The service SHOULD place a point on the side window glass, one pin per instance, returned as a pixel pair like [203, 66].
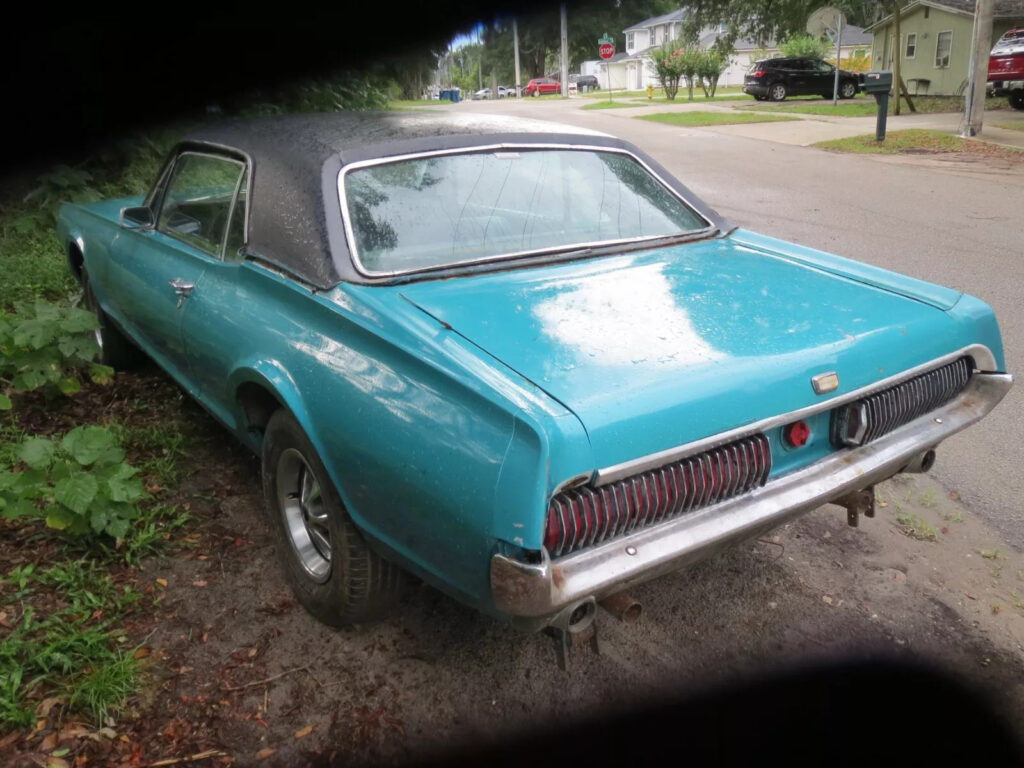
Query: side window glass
[197, 204]
[236, 229]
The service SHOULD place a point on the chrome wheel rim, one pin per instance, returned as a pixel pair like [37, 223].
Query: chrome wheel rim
[301, 504]
[848, 90]
[778, 93]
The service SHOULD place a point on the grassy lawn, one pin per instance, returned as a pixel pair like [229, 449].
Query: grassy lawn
[681, 98]
[406, 103]
[864, 106]
[1011, 126]
[610, 105]
[711, 118]
[918, 140]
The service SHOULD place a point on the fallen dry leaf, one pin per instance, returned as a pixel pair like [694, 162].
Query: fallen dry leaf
[252, 652]
[200, 583]
[303, 732]
[827, 599]
[44, 707]
[264, 753]
[49, 743]
[954, 495]
[4, 621]
[162, 583]
[883, 503]
[141, 653]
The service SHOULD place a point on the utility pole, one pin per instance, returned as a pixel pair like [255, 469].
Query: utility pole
[977, 75]
[480, 56]
[515, 44]
[565, 54]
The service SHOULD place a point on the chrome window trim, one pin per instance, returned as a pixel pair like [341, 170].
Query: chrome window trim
[984, 361]
[169, 176]
[350, 239]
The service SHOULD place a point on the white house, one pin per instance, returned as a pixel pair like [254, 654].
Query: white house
[633, 69]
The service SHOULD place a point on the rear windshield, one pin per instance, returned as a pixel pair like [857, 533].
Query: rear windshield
[440, 211]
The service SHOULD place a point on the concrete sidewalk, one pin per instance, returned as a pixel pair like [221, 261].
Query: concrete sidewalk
[814, 128]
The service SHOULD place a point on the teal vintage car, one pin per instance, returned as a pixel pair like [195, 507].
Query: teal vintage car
[517, 359]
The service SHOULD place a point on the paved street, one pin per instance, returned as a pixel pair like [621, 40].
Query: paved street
[959, 223]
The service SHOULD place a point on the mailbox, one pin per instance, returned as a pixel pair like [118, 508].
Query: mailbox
[876, 82]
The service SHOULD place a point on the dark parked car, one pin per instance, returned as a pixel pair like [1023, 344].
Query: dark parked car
[775, 79]
[585, 82]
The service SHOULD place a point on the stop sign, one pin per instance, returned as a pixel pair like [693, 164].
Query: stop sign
[607, 50]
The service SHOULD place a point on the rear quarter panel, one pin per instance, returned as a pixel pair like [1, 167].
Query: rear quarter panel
[439, 457]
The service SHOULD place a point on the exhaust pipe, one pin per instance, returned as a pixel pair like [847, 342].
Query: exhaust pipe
[922, 462]
[623, 606]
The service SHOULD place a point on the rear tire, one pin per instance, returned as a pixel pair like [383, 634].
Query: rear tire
[777, 92]
[116, 350]
[1016, 98]
[847, 89]
[329, 566]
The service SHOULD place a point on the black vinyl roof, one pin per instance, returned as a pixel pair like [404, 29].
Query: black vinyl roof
[294, 209]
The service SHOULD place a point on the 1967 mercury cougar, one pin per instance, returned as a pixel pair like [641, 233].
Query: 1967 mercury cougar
[518, 359]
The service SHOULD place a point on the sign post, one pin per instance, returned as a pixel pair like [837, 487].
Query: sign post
[606, 49]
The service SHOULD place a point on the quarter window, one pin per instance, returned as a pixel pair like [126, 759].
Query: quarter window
[943, 44]
[911, 49]
[197, 206]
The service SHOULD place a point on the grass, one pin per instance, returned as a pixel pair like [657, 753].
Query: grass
[681, 98]
[1011, 126]
[865, 106]
[609, 105]
[406, 103]
[697, 119]
[65, 641]
[916, 527]
[916, 140]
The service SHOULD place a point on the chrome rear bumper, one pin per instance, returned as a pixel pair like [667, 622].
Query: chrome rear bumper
[531, 594]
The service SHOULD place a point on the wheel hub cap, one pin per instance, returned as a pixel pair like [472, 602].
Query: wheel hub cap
[301, 504]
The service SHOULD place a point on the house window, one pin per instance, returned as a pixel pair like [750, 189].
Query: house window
[926, 9]
[943, 44]
[911, 49]
[629, 41]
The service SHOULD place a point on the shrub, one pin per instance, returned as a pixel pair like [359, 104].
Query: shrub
[48, 346]
[806, 45]
[79, 484]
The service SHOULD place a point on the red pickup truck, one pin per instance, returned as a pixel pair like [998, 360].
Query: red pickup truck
[1006, 67]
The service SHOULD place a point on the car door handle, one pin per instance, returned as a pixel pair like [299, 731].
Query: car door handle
[182, 289]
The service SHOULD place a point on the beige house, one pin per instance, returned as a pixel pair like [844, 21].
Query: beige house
[935, 42]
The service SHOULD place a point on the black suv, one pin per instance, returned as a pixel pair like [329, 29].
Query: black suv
[585, 82]
[776, 79]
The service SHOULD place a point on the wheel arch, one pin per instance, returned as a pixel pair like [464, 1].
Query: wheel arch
[75, 253]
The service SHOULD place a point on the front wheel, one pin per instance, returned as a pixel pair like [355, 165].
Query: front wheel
[847, 90]
[1016, 98]
[777, 92]
[535, 93]
[329, 566]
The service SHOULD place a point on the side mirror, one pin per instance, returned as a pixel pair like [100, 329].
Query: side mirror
[134, 218]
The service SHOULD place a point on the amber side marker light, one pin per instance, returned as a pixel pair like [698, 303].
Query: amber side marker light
[796, 434]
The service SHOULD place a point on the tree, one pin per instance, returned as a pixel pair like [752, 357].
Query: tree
[806, 45]
[709, 68]
[667, 63]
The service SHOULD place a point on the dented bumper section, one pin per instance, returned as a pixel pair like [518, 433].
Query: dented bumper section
[532, 595]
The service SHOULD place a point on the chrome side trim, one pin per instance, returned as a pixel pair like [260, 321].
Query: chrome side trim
[984, 360]
[531, 594]
[487, 149]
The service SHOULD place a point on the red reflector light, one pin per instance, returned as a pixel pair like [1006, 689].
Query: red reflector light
[797, 434]
[759, 73]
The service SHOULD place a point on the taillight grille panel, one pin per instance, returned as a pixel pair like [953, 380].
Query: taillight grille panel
[900, 404]
[582, 517]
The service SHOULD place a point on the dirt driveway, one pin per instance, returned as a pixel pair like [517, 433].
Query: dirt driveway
[239, 667]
